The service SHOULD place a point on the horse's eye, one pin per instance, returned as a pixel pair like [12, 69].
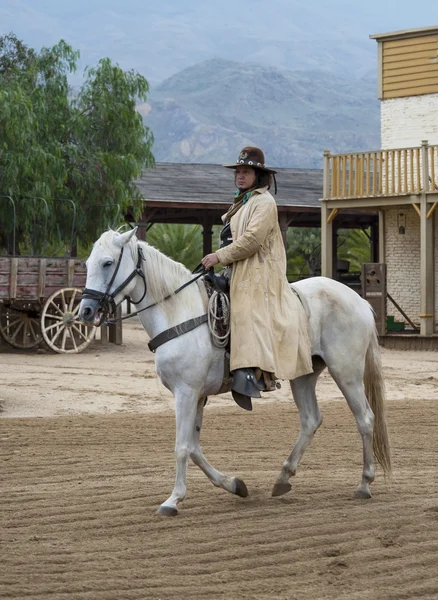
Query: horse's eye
[107, 263]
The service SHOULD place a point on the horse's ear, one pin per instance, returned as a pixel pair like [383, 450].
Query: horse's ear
[123, 238]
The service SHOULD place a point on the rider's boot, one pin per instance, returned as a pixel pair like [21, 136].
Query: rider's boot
[248, 383]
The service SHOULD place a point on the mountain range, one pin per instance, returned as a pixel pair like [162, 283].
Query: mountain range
[208, 112]
[293, 76]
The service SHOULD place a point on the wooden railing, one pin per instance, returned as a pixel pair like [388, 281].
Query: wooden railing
[398, 171]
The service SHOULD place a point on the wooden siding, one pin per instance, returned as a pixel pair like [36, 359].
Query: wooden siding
[409, 66]
[35, 279]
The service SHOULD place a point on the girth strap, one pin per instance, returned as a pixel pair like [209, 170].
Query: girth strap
[176, 331]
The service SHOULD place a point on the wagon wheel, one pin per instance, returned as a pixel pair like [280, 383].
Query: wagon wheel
[19, 328]
[62, 330]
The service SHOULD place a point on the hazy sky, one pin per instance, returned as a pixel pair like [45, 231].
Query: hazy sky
[160, 38]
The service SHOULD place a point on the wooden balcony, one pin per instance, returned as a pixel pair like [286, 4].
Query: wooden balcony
[391, 173]
[381, 180]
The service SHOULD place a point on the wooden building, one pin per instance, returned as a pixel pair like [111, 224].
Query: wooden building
[202, 193]
[400, 180]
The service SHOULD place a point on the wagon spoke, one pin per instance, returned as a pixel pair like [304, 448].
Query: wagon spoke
[12, 323]
[72, 301]
[31, 327]
[64, 303]
[76, 328]
[61, 328]
[73, 339]
[54, 317]
[64, 338]
[76, 309]
[14, 335]
[25, 331]
[54, 326]
[56, 308]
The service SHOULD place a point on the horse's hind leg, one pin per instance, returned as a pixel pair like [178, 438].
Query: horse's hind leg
[303, 390]
[230, 484]
[350, 381]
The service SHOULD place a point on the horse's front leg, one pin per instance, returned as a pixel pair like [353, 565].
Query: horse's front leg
[185, 411]
[230, 484]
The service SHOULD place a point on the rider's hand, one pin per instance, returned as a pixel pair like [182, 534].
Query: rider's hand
[210, 260]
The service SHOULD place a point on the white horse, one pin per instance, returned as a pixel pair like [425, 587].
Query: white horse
[343, 339]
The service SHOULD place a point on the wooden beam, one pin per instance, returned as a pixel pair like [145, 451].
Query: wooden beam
[382, 237]
[431, 210]
[326, 242]
[380, 70]
[13, 279]
[427, 270]
[115, 331]
[332, 215]
[372, 202]
[417, 210]
[207, 237]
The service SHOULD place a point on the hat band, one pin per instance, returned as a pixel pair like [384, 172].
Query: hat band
[251, 163]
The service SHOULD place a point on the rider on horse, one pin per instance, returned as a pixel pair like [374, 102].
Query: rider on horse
[269, 330]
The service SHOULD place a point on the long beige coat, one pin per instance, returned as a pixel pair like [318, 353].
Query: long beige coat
[268, 322]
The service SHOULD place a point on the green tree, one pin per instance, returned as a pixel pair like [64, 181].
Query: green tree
[354, 246]
[183, 243]
[87, 148]
[303, 251]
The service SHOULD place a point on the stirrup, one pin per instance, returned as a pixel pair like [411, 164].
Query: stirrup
[245, 383]
[242, 400]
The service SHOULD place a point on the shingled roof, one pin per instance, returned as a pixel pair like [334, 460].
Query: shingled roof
[203, 183]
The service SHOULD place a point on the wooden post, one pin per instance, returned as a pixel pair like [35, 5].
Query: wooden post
[207, 235]
[427, 266]
[335, 273]
[115, 331]
[382, 250]
[103, 334]
[283, 219]
[326, 242]
[374, 243]
[326, 224]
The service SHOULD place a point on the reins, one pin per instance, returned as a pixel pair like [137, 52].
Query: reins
[116, 320]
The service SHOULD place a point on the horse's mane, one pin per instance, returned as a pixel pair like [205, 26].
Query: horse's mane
[163, 275]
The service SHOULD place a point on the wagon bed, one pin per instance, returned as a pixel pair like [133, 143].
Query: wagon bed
[39, 300]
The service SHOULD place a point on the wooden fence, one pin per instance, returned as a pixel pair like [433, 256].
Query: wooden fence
[394, 172]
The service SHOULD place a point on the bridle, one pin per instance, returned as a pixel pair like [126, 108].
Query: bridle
[106, 299]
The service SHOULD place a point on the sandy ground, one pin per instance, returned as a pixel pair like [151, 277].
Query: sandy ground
[121, 379]
[86, 456]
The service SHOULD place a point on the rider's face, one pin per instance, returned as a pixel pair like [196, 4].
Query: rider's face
[245, 177]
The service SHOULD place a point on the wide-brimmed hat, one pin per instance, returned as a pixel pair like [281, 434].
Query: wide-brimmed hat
[253, 157]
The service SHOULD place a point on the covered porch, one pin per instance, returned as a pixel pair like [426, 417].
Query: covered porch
[202, 193]
[395, 182]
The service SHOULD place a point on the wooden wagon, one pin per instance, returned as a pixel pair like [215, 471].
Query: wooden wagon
[39, 300]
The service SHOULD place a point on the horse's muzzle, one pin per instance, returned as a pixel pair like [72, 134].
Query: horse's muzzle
[89, 311]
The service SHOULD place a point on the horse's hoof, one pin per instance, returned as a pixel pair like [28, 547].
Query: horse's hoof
[362, 495]
[167, 511]
[240, 488]
[281, 488]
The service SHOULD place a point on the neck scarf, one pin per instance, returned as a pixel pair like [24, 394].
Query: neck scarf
[240, 198]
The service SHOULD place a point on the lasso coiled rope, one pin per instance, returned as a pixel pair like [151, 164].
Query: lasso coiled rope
[219, 318]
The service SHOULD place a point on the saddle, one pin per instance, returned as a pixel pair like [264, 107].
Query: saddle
[218, 281]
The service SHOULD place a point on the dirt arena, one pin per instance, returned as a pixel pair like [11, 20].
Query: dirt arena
[87, 456]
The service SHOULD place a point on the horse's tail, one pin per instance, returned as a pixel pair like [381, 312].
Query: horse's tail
[375, 392]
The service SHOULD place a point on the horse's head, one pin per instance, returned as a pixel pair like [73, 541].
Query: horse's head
[112, 268]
